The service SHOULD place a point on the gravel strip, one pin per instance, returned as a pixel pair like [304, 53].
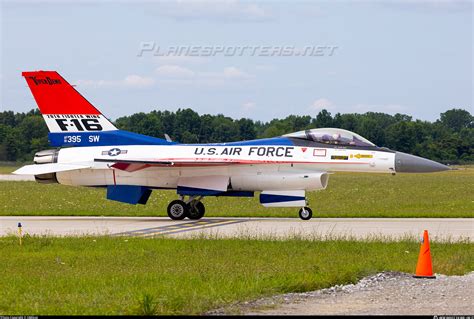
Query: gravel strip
[386, 293]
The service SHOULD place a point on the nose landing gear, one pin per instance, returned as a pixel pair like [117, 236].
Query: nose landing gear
[305, 213]
[193, 208]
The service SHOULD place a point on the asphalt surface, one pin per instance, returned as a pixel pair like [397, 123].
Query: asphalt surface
[17, 178]
[278, 228]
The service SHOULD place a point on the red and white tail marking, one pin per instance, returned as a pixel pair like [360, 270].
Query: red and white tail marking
[63, 108]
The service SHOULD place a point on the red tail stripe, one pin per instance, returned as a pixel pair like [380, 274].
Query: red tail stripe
[54, 95]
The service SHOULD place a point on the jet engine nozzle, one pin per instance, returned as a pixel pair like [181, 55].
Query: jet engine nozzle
[46, 157]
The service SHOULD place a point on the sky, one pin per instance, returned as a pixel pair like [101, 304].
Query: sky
[406, 56]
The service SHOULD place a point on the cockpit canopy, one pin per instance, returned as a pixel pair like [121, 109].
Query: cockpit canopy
[334, 136]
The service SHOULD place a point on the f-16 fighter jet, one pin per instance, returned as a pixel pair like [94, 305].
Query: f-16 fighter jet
[91, 151]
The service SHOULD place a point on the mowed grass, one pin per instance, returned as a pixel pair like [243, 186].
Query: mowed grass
[445, 194]
[8, 169]
[104, 275]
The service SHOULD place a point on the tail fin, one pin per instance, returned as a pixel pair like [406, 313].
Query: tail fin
[63, 108]
[72, 120]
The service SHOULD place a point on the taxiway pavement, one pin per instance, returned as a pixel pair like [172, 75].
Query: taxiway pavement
[17, 178]
[324, 228]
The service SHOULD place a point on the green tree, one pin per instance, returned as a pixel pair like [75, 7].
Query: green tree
[450, 139]
[457, 119]
[224, 129]
[323, 119]
[401, 136]
[246, 129]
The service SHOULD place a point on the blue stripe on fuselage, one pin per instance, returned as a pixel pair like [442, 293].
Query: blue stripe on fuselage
[283, 141]
[104, 138]
[119, 137]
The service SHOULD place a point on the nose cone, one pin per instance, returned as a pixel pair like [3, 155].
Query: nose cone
[407, 163]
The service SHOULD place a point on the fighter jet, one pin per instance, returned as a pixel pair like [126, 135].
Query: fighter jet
[91, 151]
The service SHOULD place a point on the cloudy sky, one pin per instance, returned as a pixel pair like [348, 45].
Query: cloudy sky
[406, 56]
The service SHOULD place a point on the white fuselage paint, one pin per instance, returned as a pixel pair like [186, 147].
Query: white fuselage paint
[275, 166]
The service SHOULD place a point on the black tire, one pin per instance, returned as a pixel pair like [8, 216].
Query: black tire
[305, 213]
[177, 210]
[196, 210]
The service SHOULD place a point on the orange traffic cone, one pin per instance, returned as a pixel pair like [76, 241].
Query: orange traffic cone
[423, 267]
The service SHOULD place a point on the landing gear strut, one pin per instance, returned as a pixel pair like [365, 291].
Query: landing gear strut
[193, 208]
[196, 209]
[305, 213]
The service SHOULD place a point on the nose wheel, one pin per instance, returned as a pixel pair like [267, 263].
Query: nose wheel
[305, 213]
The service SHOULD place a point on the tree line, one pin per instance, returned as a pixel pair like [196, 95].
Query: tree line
[450, 139]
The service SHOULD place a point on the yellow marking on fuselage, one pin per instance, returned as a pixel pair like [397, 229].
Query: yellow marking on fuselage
[359, 156]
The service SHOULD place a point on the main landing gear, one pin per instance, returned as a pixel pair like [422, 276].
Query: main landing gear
[305, 213]
[192, 208]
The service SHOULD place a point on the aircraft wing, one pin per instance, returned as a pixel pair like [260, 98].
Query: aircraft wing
[135, 165]
[48, 168]
[215, 184]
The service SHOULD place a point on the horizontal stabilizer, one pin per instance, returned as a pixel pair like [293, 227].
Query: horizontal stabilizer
[48, 168]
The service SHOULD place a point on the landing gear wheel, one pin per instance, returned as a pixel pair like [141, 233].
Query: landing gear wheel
[177, 210]
[305, 213]
[196, 210]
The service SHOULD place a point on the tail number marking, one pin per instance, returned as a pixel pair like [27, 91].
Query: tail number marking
[72, 139]
[79, 124]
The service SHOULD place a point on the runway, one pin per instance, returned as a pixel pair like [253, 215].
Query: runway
[17, 178]
[278, 228]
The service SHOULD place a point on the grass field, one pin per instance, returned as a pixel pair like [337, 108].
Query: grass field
[7, 169]
[103, 275]
[445, 194]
